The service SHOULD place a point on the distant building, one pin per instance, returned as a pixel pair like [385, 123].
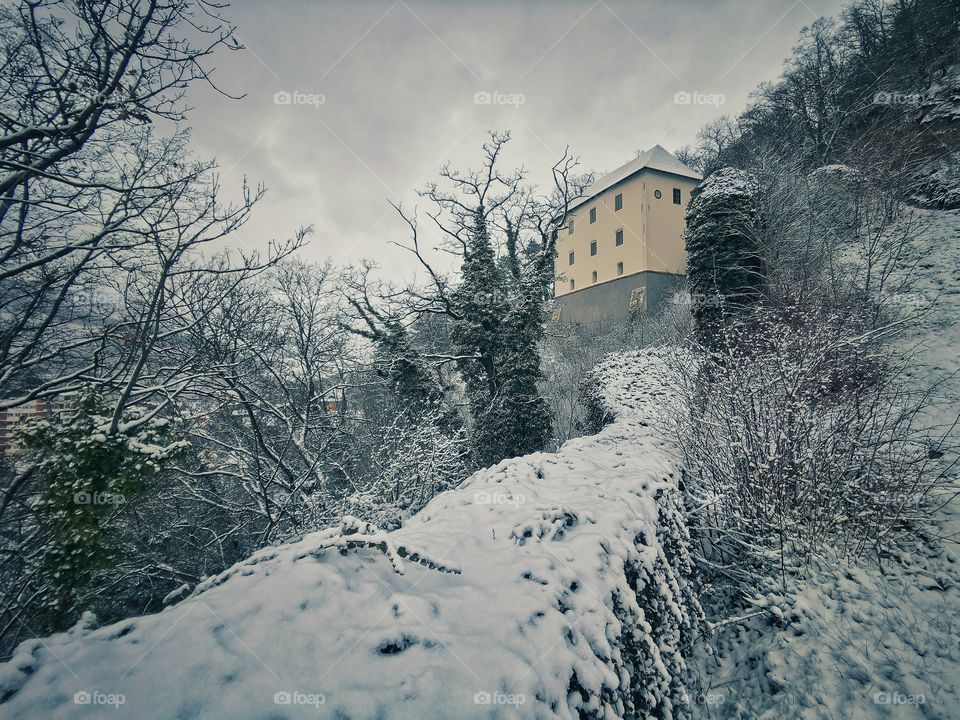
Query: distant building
[620, 249]
[13, 417]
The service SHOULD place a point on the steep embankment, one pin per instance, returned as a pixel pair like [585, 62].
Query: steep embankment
[547, 586]
[862, 640]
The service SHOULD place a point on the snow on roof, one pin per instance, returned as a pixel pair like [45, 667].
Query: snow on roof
[656, 158]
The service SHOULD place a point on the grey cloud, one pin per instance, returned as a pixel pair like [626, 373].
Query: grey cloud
[399, 78]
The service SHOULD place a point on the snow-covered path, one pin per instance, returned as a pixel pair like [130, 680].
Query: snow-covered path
[516, 619]
[865, 641]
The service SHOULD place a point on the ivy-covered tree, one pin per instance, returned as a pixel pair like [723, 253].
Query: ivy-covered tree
[526, 415]
[505, 235]
[496, 337]
[85, 475]
[397, 360]
[725, 269]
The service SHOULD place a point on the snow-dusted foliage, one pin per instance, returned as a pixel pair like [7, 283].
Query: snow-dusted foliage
[571, 351]
[828, 434]
[872, 638]
[725, 271]
[413, 461]
[86, 472]
[107, 270]
[807, 439]
[940, 104]
[937, 183]
[547, 586]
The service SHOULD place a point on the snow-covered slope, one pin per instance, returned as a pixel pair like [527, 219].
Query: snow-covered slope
[514, 595]
[863, 640]
[936, 183]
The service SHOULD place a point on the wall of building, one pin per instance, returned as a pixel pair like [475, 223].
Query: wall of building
[609, 303]
[630, 219]
[652, 232]
[665, 250]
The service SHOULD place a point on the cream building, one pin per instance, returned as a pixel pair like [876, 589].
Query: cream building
[620, 249]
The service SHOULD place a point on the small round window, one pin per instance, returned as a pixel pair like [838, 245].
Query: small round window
[657, 194]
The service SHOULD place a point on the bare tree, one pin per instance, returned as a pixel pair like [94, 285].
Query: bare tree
[105, 273]
[86, 186]
[503, 233]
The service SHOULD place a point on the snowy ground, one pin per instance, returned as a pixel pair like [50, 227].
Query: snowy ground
[526, 558]
[506, 591]
[862, 640]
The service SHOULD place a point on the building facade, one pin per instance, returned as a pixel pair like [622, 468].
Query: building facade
[12, 418]
[620, 249]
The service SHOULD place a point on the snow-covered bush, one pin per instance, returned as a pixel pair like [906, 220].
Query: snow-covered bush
[806, 439]
[571, 351]
[661, 612]
[936, 183]
[725, 269]
[413, 460]
[84, 475]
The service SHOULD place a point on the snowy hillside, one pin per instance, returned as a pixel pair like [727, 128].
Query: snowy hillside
[861, 640]
[936, 183]
[516, 595]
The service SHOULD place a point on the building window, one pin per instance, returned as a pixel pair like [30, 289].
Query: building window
[618, 202]
[676, 196]
[619, 268]
[619, 238]
[570, 227]
[593, 276]
[593, 247]
[570, 258]
[573, 285]
[657, 194]
[593, 215]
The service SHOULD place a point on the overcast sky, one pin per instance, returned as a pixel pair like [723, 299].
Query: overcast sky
[383, 93]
